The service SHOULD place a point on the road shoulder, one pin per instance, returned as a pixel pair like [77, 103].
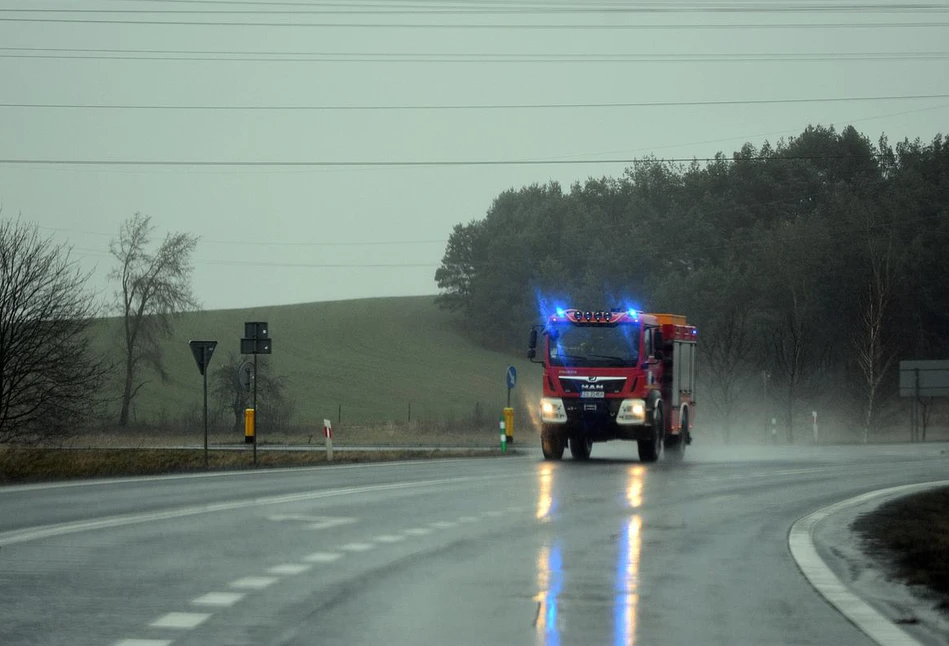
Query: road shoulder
[834, 560]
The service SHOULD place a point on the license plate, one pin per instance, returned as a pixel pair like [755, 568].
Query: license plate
[592, 394]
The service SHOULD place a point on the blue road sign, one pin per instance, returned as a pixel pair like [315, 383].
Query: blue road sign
[511, 376]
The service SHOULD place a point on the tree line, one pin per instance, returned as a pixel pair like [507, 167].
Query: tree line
[811, 267]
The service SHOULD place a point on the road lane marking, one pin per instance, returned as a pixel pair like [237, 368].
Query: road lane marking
[492, 514]
[230, 474]
[219, 599]
[467, 519]
[357, 547]
[418, 531]
[254, 582]
[289, 569]
[801, 543]
[322, 557]
[314, 522]
[111, 522]
[389, 538]
[444, 524]
[143, 642]
[181, 620]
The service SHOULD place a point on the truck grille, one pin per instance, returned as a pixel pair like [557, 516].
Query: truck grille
[608, 385]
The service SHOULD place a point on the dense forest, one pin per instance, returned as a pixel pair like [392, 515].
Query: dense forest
[811, 266]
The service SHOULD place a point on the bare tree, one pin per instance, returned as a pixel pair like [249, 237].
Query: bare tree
[869, 338]
[154, 287]
[49, 377]
[276, 407]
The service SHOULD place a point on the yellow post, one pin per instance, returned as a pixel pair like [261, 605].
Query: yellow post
[509, 424]
[249, 425]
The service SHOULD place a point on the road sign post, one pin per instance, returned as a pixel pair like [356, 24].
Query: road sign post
[511, 379]
[202, 351]
[256, 340]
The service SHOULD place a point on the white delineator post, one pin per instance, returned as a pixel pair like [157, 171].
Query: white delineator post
[814, 413]
[328, 434]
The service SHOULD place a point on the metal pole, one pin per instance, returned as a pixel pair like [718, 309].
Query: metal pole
[255, 408]
[508, 397]
[204, 361]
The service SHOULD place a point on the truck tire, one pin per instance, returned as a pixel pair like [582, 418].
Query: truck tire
[649, 449]
[675, 444]
[580, 447]
[552, 443]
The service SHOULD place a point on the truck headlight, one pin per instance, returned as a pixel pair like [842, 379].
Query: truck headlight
[631, 411]
[552, 410]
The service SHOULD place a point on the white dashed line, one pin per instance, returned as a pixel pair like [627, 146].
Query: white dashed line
[254, 582]
[181, 620]
[467, 519]
[444, 524]
[322, 557]
[418, 531]
[389, 538]
[219, 599]
[143, 642]
[289, 569]
[357, 547]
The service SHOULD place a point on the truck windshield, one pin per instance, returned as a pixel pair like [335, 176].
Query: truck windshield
[594, 346]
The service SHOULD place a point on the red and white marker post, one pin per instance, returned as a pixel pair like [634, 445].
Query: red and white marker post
[328, 434]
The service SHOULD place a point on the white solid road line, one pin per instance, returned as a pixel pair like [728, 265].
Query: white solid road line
[181, 620]
[389, 538]
[254, 582]
[219, 599]
[289, 569]
[322, 557]
[801, 542]
[143, 642]
[223, 474]
[48, 531]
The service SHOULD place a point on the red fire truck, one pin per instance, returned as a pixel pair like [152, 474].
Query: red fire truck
[615, 374]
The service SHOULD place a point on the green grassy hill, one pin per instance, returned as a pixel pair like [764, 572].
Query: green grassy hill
[372, 357]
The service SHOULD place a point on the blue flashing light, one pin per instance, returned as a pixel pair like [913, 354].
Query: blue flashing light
[561, 311]
[632, 313]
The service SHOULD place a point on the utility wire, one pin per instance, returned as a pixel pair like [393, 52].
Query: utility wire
[395, 164]
[481, 58]
[472, 106]
[487, 26]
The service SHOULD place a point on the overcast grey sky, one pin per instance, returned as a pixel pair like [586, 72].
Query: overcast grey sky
[270, 234]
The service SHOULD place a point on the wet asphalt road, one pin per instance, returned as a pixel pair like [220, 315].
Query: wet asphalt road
[476, 551]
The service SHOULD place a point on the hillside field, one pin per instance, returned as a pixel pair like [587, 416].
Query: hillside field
[358, 362]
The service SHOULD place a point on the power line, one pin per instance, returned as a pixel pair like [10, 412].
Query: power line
[260, 243]
[472, 106]
[403, 164]
[514, 9]
[479, 58]
[486, 26]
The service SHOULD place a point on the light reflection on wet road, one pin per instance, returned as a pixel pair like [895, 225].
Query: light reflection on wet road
[511, 551]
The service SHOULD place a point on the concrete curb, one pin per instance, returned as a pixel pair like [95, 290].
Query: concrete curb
[801, 543]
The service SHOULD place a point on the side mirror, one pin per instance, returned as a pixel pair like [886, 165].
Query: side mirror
[532, 345]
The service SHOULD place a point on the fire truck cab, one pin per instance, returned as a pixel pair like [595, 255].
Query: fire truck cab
[615, 374]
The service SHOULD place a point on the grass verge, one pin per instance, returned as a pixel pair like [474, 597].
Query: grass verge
[913, 533]
[24, 465]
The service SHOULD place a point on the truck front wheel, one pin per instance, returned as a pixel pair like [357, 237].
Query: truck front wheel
[580, 447]
[552, 443]
[649, 448]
